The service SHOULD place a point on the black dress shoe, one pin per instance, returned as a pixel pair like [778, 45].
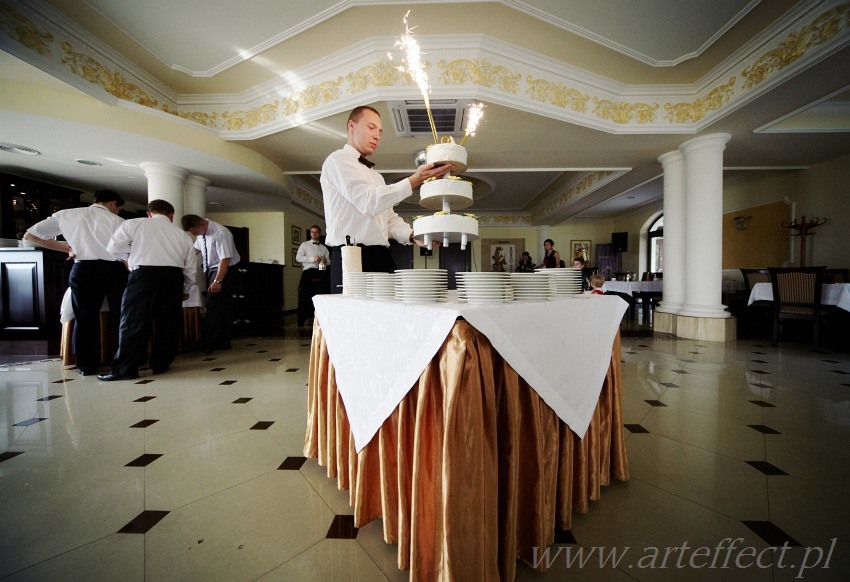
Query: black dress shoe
[87, 371]
[112, 376]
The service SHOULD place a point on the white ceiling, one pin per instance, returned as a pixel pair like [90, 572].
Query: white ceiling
[518, 158]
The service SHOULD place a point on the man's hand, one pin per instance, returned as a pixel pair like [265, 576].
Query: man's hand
[428, 171]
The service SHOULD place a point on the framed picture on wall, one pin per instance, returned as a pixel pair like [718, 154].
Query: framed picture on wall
[581, 250]
[501, 255]
[293, 262]
[296, 235]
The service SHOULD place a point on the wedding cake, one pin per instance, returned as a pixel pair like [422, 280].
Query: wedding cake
[447, 151]
[434, 192]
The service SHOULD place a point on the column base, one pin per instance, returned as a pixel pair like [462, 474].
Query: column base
[663, 322]
[711, 329]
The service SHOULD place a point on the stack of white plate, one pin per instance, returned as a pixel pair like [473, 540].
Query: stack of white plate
[421, 285]
[355, 284]
[531, 286]
[565, 282]
[484, 287]
[380, 286]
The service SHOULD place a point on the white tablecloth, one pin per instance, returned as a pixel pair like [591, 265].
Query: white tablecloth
[378, 349]
[632, 287]
[831, 294]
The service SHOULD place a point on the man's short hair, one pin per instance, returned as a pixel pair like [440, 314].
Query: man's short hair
[190, 221]
[108, 196]
[316, 226]
[357, 112]
[160, 207]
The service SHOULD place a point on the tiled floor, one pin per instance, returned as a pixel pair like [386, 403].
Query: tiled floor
[198, 474]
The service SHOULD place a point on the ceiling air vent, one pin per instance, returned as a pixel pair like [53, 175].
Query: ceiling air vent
[411, 117]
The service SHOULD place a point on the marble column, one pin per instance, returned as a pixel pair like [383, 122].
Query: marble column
[703, 226]
[673, 164]
[195, 195]
[165, 182]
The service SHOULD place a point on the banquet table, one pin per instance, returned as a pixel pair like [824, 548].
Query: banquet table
[472, 431]
[633, 287]
[837, 294]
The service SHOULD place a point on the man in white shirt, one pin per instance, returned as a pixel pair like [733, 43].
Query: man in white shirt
[161, 259]
[96, 273]
[358, 203]
[314, 258]
[214, 242]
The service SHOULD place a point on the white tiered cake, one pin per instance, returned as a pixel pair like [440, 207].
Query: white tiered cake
[443, 193]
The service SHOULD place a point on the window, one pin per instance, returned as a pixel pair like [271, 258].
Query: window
[655, 240]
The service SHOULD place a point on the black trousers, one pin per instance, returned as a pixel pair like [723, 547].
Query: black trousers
[91, 282]
[218, 321]
[313, 282]
[376, 259]
[152, 305]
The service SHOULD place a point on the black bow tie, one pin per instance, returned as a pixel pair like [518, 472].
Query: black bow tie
[365, 162]
[314, 242]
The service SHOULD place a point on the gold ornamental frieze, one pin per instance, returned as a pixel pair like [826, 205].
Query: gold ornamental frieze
[583, 187]
[314, 95]
[820, 30]
[307, 199]
[112, 82]
[623, 113]
[479, 72]
[685, 112]
[206, 119]
[381, 74]
[21, 29]
[254, 117]
[557, 94]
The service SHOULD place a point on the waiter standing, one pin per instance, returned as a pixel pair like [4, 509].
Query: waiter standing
[162, 269]
[358, 202]
[218, 252]
[96, 273]
[314, 258]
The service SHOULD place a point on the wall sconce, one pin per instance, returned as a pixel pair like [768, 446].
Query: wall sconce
[742, 222]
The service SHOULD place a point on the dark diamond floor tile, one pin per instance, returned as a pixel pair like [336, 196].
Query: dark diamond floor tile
[655, 403]
[145, 381]
[262, 351]
[642, 346]
[846, 385]
[292, 463]
[143, 460]
[46, 398]
[759, 372]
[770, 533]
[145, 423]
[63, 380]
[766, 468]
[243, 400]
[680, 372]
[839, 372]
[291, 370]
[669, 385]
[263, 425]
[250, 345]
[763, 429]
[216, 369]
[760, 361]
[207, 359]
[635, 428]
[29, 421]
[564, 537]
[227, 382]
[760, 385]
[342, 528]
[689, 361]
[633, 353]
[143, 522]
[9, 455]
[831, 361]
[763, 404]
[305, 345]
[144, 398]
[694, 352]
[274, 360]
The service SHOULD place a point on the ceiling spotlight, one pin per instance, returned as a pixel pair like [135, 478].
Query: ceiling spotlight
[89, 163]
[13, 148]
[214, 203]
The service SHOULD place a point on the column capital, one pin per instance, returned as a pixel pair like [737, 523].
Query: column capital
[712, 141]
[200, 182]
[159, 169]
[669, 157]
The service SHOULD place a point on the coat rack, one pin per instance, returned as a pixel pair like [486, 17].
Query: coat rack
[802, 228]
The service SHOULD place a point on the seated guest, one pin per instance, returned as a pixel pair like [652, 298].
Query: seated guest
[596, 283]
[526, 265]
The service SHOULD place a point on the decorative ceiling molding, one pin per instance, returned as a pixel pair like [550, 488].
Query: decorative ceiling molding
[575, 190]
[460, 66]
[307, 197]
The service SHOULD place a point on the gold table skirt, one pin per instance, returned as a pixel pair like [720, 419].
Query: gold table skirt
[472, 470]
[191, 333]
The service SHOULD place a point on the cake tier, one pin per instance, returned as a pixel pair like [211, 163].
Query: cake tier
[448, 152]
[457, 193]
[440, 226]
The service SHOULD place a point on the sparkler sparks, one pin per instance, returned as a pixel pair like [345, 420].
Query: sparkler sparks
[415, 68]
[476, 112]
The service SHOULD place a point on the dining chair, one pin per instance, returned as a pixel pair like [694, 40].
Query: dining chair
[797, 296]
[835, 276]
[758, 316]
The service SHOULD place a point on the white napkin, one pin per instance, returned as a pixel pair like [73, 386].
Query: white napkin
[352, 262]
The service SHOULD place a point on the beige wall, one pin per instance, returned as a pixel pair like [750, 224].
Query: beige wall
[764, 243]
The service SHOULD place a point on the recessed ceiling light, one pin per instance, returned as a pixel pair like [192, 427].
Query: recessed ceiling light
[89, 163]
[630, 197]
[13, 148]
[214, 203]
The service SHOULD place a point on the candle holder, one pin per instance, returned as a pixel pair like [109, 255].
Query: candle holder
[803, 228]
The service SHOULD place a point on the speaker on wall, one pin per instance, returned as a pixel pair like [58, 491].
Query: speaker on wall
[619, 242]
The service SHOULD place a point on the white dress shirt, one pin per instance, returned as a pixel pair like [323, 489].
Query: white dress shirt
[358, 202]
[155, 242]
[307, 253]
[87, 230]
[219, 245]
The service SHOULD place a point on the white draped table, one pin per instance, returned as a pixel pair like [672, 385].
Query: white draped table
[472, 431]
[837, 294]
